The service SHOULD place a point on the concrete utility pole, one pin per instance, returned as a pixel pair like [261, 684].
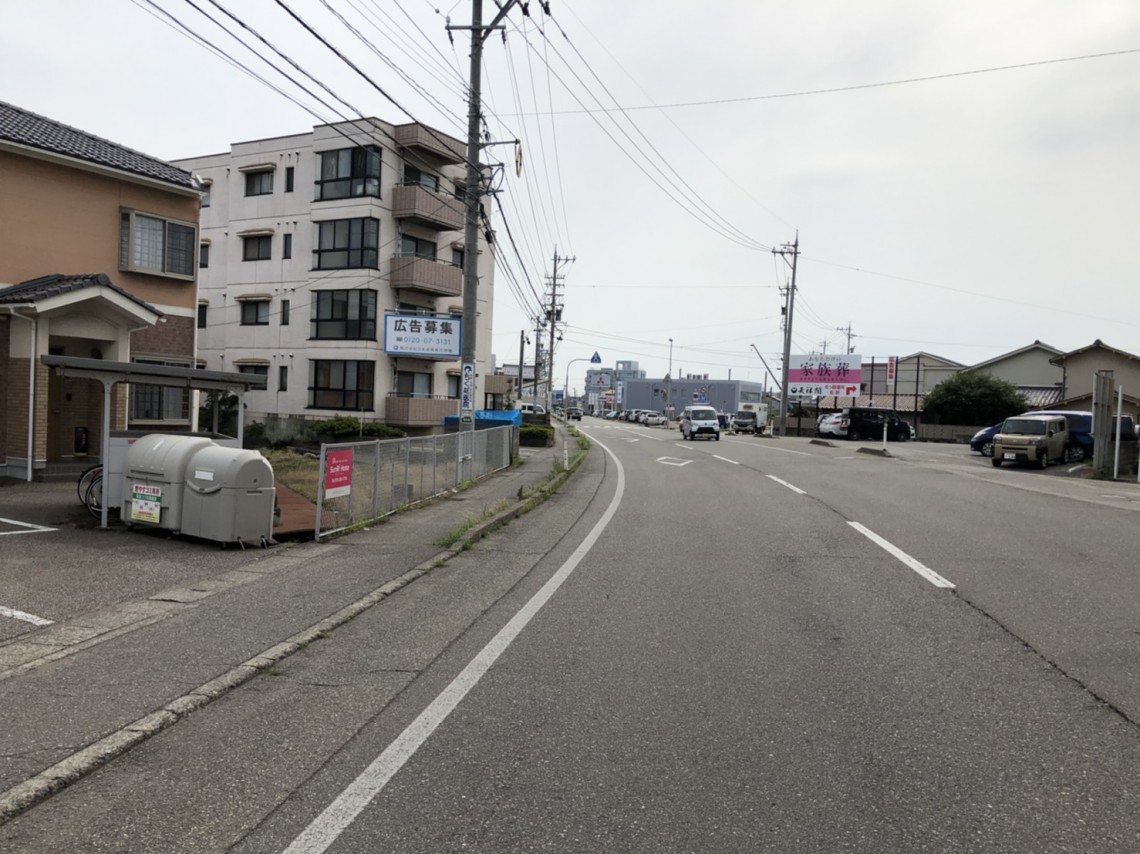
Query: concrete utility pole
[553, 317]
[849, 335]
[523, 341]
[792, 249]
[537, 356]
[472, 194]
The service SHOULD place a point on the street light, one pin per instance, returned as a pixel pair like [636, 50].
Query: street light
[566, 385]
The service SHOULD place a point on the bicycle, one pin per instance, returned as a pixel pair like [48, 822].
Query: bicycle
[85, 479]
[93, 497]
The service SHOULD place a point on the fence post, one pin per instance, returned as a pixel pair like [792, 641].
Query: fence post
[376, 479]
[320, 494]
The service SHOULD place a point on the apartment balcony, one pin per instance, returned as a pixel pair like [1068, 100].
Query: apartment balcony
[403, 411]
[418, 204]
[438, 146]
[427, 275]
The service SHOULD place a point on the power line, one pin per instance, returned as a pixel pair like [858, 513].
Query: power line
[860, 86]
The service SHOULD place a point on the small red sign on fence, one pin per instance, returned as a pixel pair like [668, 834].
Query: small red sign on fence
[338, 473]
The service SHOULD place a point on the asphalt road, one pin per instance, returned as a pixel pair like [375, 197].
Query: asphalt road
[744, 645]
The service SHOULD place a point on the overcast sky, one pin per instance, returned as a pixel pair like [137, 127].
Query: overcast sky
[963, 175]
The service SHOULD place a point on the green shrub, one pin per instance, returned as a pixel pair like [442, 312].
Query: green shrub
[536, 436]
[383, 431]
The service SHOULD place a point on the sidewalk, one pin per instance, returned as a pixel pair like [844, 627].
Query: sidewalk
[132, 662]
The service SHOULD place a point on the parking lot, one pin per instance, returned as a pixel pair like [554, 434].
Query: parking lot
[56, 563]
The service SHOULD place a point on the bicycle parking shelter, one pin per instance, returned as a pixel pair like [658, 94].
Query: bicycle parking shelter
[112, 373]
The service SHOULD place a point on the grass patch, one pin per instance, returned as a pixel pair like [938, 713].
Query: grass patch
[469, 523]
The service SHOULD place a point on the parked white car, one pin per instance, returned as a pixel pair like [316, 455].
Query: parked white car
[654, 419]
[831, 425]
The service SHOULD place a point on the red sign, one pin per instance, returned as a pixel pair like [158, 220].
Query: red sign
[338, 473]
[892, 364]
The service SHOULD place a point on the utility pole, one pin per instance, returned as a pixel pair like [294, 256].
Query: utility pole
[523, 341]
[792, 249]
[849, 335]
[537, 356]
[553, 317]
[472, 193]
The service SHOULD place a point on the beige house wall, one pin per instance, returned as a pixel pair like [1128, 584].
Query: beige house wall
[1080, 369]
[1029, 368]
[57, 219]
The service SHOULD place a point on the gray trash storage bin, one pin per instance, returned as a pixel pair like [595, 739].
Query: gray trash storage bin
[229, 496]
[154, 478]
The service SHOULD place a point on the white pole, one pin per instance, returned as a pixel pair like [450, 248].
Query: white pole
[884, 434]
[1116, 454]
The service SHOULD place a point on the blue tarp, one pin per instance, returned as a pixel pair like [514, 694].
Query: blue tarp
[485, 418]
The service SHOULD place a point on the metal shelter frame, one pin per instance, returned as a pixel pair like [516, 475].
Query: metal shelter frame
[111, 373]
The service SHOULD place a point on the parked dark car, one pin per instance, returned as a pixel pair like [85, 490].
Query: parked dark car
[866, 422]
[983, 441]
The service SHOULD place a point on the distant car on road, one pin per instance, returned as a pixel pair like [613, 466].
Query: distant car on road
[654, 419]
[573, 414]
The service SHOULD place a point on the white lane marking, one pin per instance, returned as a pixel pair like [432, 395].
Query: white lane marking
[923, 570]
[673, 461]
[785, 483]
[28, 526]
[337, 816]
[21, 615]
[783, 450]
[725, 459]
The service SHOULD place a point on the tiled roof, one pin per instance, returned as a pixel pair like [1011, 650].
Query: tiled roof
[1040, 396]
[35, 131]
[35, 290]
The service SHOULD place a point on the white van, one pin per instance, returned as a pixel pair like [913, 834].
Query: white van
[700, 421]
[531, 408]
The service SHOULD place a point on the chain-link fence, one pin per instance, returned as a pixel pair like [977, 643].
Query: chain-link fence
[362, 481]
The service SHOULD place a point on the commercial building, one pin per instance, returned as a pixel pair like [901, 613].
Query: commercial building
[331, 263]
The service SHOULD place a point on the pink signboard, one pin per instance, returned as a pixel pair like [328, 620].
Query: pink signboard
[338, 473]
[836, 375]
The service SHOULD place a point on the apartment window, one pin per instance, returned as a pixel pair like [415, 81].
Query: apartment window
[259, 183]
[259, 248]
[158, 402]
[457, 258]
[343, 315]
[151, 244]
[255, 312]
[256, 370]
[284, 312]
[203, 256]
[344, 244]
[414, 175]
[417, 246]
[335, 384]
[413, 384]
[283, 378]
[453, 386]
[202, 308]
[206, 195]
[349, 172]
[286, 246]
[289, 179]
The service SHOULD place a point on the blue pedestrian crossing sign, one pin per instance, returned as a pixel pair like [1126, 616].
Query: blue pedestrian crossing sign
[595, 359]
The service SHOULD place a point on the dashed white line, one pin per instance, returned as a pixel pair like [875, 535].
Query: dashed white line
[782, 450]
[21, 615]
[923, 570]
[725, 459]
[785, 483]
